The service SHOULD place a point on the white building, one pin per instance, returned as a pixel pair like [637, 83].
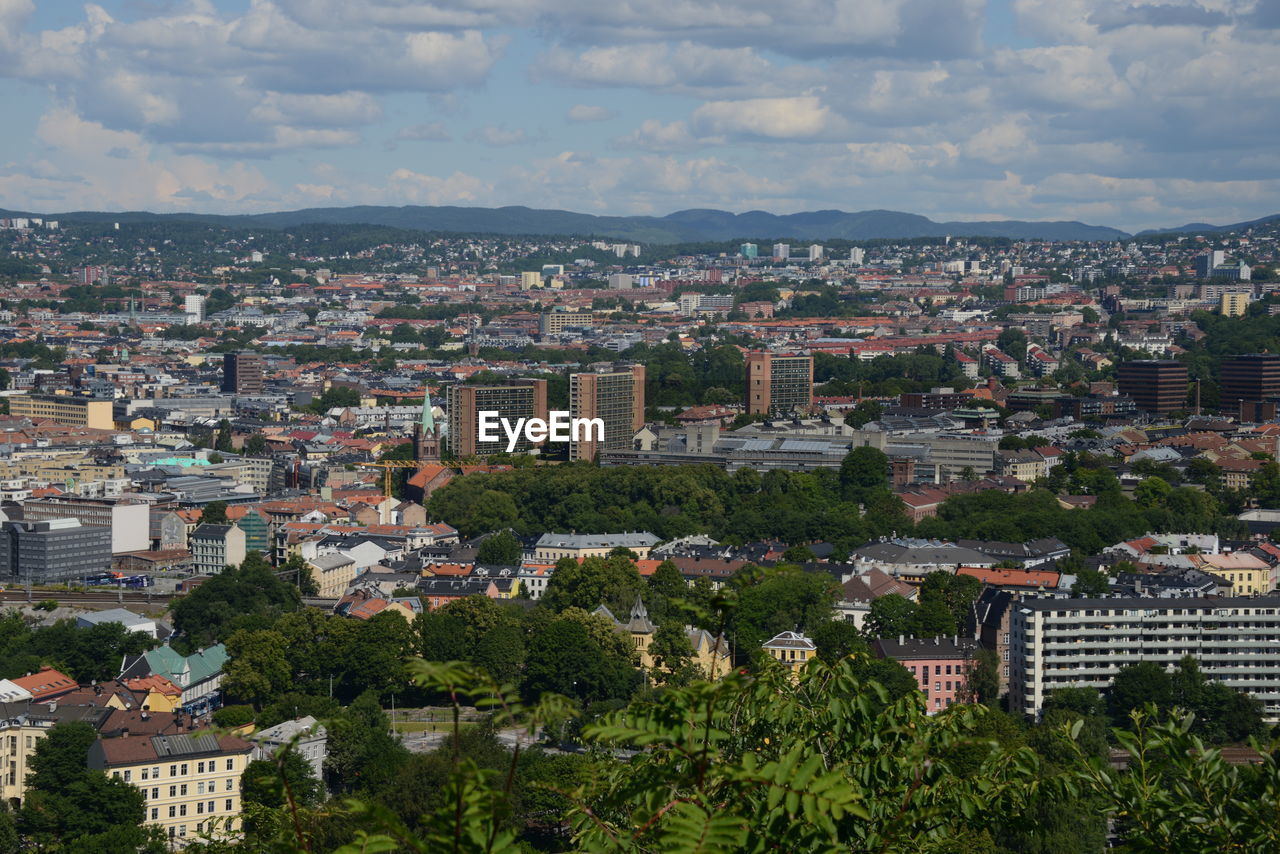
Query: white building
[815, 252]
[1083, 643]
[306, 734]
[194, 305]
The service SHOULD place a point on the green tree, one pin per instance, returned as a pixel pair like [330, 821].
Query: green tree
[70, 807]
[1136, 685]
[1091, 583]
[214, 513]
[273, 782]
[502, 549]
[255, 445]
[614, 582]
[982, 684]
[864, 470]
[890, 616]
[257, 669]
[564, 658]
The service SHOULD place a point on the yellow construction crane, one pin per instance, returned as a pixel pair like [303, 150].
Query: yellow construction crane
[388, 465]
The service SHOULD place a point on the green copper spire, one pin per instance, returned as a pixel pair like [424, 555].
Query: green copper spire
[428, 420]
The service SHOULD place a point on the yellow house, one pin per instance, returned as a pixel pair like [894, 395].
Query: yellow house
[190, 782]
[792, 649]
[1248, 575]
[712, 656]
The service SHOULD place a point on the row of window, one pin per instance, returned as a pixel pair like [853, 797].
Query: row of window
[180, 790]
[202, 807]
[937, 669]
[181, 769]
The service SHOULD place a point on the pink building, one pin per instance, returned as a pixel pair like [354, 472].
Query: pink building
[939, 665]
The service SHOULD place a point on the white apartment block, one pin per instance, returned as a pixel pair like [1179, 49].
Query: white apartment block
[1083, 643]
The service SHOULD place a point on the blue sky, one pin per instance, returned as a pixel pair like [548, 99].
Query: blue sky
[1132, 113]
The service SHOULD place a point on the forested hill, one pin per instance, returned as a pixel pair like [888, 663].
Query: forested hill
[679, 227]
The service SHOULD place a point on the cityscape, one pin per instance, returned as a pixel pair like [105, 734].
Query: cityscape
[373, 479]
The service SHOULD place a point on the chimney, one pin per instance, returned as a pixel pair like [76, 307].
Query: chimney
[124, 733]
[53, 705]
[902, 640]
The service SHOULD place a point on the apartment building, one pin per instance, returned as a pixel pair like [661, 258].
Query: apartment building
[616, 397]
[242, 373]
[779, 384]
[513, 401]
[940, 666]
[551, 547]
[64, 409]
[190, 782]
[559, 319]
[1083, 643]
[214, 547]
[22, 724]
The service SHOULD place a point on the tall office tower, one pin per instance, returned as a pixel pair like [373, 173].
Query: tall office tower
[779, 384]
[749, 250]
[1156, 386]
[616, 397]
[781, 251]
[1251, 378]
[1206, 263]
[513, 401]
[242, 373]
[194, 307]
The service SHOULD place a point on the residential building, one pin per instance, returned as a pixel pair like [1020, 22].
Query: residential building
[621, 282]
[781, 251]
[513, 401]
[199, 675]
[560, 318]
[792, 649]
[194, 305]
[552, 547]
[530, 279]
[305, 736]
[52, 552]
[1249, 575]
[242, 373]
[749, 250]
[190, 782]
[940, 666]
[332, 573]
[1083, 643]
[779, 384]
[711, 655]
[1234, 305]
[616, 397]
[214, 547]
[1156, 386]
[23, 724]
[64, 409]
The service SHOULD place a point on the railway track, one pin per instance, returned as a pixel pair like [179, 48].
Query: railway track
[88, 599]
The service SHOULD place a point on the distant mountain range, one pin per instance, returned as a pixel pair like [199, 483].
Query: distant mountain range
[687, 226]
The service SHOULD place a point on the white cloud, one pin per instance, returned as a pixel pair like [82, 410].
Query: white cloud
[771, 118]
[498, 135]
[589, 113]
[436, 131]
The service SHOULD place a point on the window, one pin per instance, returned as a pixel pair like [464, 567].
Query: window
[155, 773]
[155, 793]
[231, 764]
[184, 769]
[182, 790]
[182, 830]
[948, 669]
[210, 807]
[199, 788]
[937, 686]
[128, 776]
[199, 767]
[182, 809]
[199, 807]
[155, 813]
[144, 773]
[173, 791]
[173, 811]
[228, 805]
[229, 781]
[173, 770]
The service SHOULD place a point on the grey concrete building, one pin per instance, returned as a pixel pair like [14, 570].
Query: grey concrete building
[52, 551]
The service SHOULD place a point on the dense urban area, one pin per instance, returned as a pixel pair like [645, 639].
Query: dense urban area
[942, 544]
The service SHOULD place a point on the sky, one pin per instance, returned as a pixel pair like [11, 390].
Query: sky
[1129, 113]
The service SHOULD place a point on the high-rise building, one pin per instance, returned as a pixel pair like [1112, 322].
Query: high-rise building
[1083, 643]
[779, 384]
[616, 397]
[51, 552]
[781, 251]
[1234, 305]
[621, 282]
[1205, 264]
[1156, 386]
[750, 250]
[513, 401]
[530, 279]
[1250, 378]
[194, 305]
[815, 252]
[242, 373]
[857, 256]
[64, 409]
